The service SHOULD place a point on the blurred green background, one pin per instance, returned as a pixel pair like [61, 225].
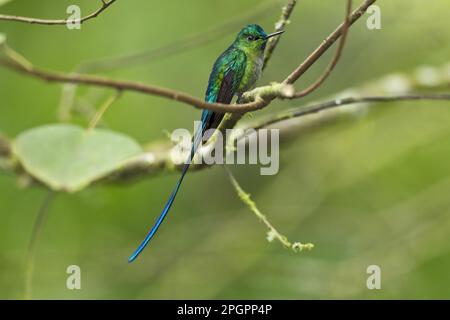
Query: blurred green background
[373, 190]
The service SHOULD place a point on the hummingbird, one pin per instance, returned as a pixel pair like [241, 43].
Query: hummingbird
[235, 71]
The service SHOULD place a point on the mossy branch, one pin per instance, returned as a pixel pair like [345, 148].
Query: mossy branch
[157, 159]
[273, 233]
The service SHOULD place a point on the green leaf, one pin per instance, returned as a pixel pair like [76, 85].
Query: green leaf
[2, 38]
[68, 158]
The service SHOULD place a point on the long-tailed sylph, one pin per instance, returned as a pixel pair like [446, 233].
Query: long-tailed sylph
[235, 71]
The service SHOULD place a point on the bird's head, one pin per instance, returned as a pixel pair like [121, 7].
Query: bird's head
[253, 38]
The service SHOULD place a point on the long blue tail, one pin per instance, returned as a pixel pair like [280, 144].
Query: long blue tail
[195, 143]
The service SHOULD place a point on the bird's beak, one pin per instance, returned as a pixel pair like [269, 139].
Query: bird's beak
[274, 34]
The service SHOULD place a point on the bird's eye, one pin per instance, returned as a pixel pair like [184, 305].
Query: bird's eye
[251, 38]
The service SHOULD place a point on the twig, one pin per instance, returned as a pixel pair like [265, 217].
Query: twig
[260, 101]
[152, 55]
[336, 103]
[104, 6]
[103, 109]
[286, 12]
[135, 87]
[37, 230]
[158, 159]
[335, 59]
[327, 43]
[272, 233]
[16, 57]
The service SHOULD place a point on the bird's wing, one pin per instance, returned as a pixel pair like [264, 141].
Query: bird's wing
[226, 76]
[223, 84]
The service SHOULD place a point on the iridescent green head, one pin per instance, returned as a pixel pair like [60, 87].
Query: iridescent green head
[253, 38]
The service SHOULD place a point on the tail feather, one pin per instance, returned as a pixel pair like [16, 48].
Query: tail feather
[195, 143]
[163, 214]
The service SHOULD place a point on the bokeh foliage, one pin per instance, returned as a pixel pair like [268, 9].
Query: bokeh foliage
[372, 190]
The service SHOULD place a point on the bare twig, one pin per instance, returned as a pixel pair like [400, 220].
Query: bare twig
[133, 86]
[280, 25]
[104, 6]
[327, 43]
[336, 103]
[147, 56]
[258, 101]
[335, 59]
[272, 233]
[95, 120]
[15, 56]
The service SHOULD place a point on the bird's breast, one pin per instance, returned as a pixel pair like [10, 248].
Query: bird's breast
[253, 70]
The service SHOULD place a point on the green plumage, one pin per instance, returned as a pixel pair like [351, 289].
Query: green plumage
[239, 67]
[235, 71]
[228, 71]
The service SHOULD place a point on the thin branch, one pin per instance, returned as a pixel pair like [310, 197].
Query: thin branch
[335, 59]
[272, 233]
[37, 230]
[130, 86]
[231, 119]
[327, 43]
[337, 103]
[158, 159]
[259, 101]
[96, 119]
[15, 56]
[152, 55]
[104, 6]
[280, 25]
